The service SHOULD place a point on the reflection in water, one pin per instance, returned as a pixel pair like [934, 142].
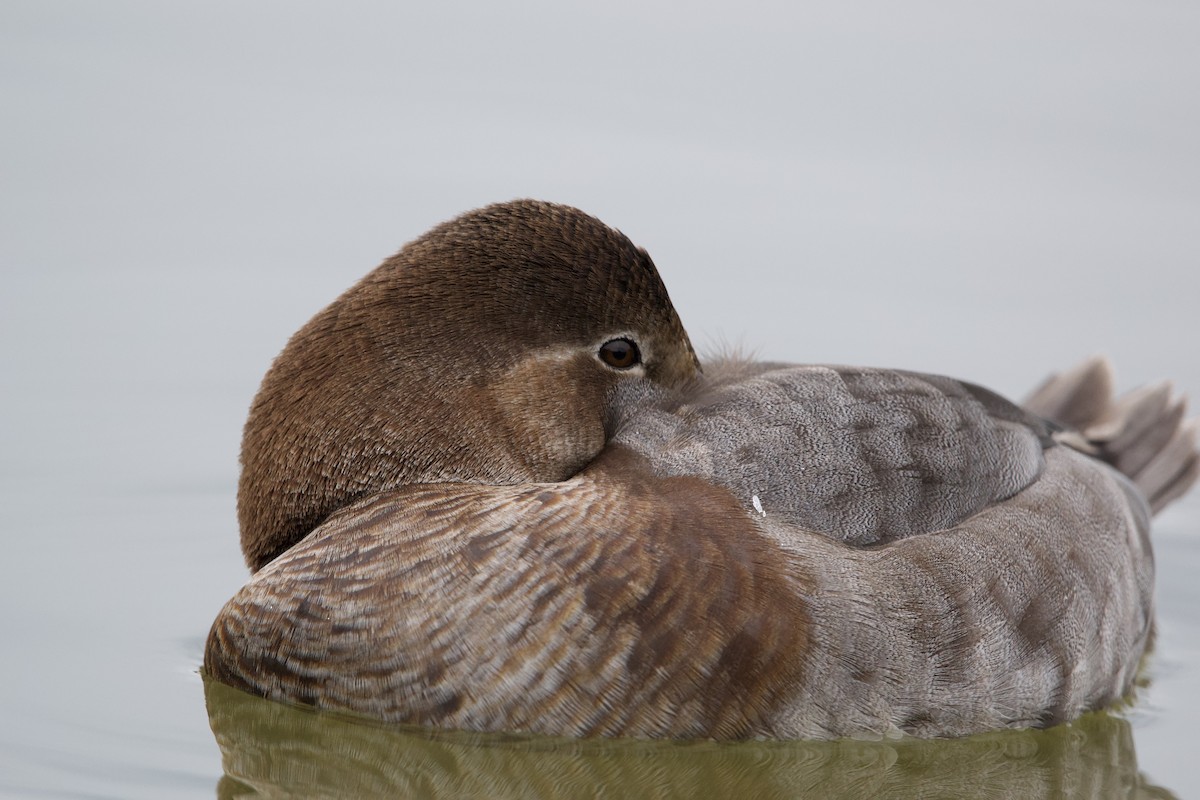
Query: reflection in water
[273, 750]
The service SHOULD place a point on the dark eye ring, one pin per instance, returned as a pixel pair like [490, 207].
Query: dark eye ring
[620, 353]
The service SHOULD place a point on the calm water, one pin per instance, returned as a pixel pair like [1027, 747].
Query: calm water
[985, 190]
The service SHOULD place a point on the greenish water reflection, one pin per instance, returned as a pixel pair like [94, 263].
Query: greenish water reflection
[273, 750]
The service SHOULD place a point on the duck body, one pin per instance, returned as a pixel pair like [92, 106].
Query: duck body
[758, 550]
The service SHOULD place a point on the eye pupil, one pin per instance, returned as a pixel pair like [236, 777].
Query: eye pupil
[620, 353]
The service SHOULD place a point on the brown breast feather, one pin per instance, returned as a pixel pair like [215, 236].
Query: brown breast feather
[616, 603]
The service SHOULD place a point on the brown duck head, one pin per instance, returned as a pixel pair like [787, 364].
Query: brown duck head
[485, 351]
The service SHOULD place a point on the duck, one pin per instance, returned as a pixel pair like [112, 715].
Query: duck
[492, 487]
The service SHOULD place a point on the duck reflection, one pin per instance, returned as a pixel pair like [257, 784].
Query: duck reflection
[273, 750]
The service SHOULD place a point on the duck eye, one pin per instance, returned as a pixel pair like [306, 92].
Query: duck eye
[620, 353]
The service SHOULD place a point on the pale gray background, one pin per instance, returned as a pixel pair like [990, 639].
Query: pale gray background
[990, 190]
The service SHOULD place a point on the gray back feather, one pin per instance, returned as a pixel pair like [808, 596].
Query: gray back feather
[865, 456]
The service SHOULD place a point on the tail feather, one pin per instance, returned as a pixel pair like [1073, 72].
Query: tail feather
[1077, 397]
[1143, 433]
[1174, 470]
